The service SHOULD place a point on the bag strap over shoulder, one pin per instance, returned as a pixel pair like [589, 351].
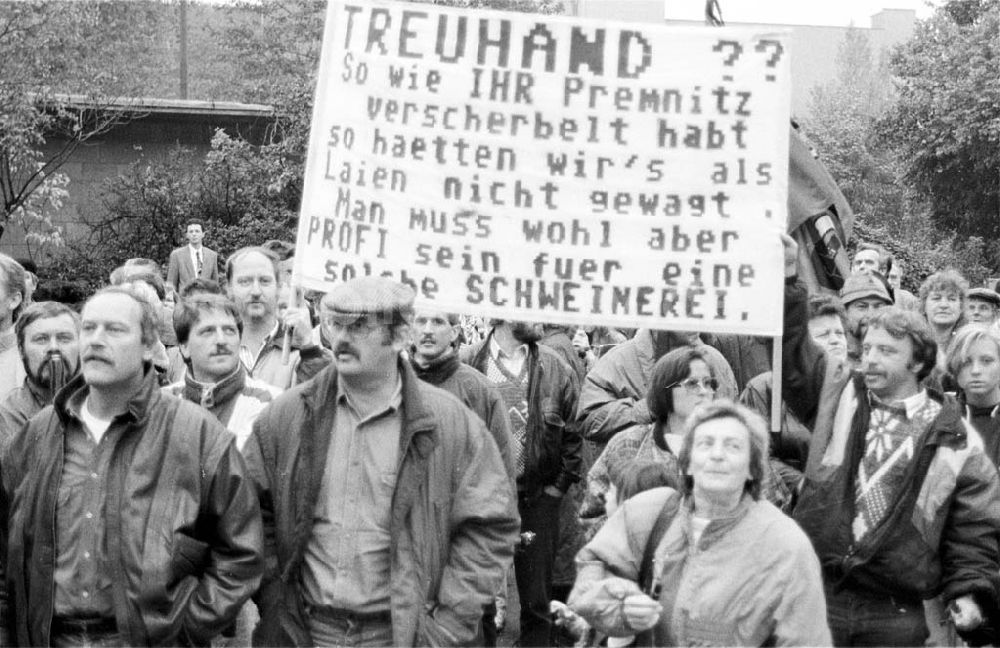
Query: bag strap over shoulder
[663, 520]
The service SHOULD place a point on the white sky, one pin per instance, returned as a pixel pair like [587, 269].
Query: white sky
[838, 13]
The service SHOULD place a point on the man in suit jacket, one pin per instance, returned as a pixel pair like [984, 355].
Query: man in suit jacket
[193, 261]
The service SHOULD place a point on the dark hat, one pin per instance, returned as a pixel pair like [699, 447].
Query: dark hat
[369, 296]
[984, 294]
[859, 286]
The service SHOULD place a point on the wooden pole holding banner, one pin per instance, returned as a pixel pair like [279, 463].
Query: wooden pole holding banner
[286, 342]
[776, 385]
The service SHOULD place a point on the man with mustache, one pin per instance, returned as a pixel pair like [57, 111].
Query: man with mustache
[208, 334]
[389, 516]
[862, 295]
[208, 331]
[899, 498]
[48, 335]
[130, 518]
[435, 360]
[540, 392]
[252, 278]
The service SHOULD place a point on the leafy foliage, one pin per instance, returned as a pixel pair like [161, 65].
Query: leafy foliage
[240, 191]
[843, 124]
[245, 193]
[96, 50]
[945, 127]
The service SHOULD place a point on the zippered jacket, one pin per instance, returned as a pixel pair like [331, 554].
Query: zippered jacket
[453, 521]
[182, 526]
[940, 535]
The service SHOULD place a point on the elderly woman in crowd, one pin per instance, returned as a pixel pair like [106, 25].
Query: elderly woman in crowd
[712, 564]
[974, 363]
[942, 302]
[681, 381]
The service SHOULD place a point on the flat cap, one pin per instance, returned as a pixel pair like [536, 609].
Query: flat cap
[859, 286]
[369, 296]
[984, 294]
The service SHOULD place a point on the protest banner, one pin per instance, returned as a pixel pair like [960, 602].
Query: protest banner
[551, 169]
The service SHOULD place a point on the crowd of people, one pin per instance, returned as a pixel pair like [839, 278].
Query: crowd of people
[201, 456]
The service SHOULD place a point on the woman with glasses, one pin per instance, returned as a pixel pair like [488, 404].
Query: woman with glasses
[710, 563]
[681, 380]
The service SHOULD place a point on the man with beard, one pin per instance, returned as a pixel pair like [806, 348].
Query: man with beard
[862, 296]
[208, 334]
[130, 518]
[899, 498]
[389, 515]
[252, 277]
[48, 336]
[540, 393]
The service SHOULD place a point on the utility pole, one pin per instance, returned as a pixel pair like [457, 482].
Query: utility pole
[182, 6]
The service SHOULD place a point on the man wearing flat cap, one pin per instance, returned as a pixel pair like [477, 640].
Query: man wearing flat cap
[862, 296]
[982, 305]
[389, 516]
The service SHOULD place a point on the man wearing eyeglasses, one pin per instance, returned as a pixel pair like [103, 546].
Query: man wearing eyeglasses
[389, 516]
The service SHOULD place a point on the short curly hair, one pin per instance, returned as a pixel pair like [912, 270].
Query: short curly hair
[760, 441]
[947, 281]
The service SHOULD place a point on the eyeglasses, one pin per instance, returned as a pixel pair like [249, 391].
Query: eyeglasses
[359, 327]
[693, 384]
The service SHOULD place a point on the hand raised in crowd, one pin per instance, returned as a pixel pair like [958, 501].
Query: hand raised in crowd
[296, 319]
[791, 255]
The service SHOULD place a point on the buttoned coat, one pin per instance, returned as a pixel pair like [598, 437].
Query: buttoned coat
[181, 271]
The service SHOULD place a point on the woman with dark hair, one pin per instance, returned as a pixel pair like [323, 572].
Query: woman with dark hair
[710, 564]
[681, 381]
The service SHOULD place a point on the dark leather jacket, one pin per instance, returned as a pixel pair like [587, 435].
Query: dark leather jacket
[939, 536]
[183, 527]
[453, 520]
[553, 445]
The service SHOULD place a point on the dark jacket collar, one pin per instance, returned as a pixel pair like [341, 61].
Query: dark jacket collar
[439, 370]
[972, 410]
[75, 391]
[319, 397]
[208, 395]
